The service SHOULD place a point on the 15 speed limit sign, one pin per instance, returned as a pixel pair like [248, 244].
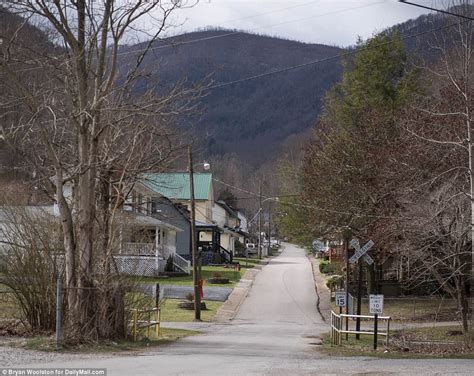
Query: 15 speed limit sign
[340, 298]
[376, 304]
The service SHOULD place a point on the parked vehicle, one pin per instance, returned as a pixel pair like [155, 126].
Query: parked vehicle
[275, 243]
[251, 249]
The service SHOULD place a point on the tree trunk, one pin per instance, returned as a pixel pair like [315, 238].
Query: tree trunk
[69, 242]
[370, 275]
[463, 303]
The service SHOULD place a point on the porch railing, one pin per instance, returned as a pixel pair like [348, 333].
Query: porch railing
[182, 263]
[139, 249]
[225, 254]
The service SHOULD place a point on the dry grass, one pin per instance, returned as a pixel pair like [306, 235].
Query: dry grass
[415, 309]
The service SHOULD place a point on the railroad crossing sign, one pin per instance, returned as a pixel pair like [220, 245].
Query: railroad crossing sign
[340, 298]
[361, 252]
[376, 304]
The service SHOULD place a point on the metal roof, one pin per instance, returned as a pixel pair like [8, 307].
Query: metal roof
[175, 185]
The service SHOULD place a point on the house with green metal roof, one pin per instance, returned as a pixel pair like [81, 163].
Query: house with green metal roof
[175, 186]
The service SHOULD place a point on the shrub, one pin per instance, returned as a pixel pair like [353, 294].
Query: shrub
[335, 282]
[323, 266]
[239, 247]
[217, 259]
[327, 267]
[31, 264]
[190, 297]
[169, 267]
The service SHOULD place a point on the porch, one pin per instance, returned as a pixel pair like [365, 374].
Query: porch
[145, 245]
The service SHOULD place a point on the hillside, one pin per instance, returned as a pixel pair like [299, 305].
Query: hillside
[254, 117]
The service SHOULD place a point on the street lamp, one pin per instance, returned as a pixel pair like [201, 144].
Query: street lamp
[194, 250]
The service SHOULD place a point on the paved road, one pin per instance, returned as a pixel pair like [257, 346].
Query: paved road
[275, 333]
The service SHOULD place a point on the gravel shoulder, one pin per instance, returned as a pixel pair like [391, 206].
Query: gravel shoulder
[12, 356]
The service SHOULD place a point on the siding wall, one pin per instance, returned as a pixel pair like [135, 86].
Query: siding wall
[168, 213]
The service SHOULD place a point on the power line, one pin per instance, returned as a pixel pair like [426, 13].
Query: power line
[437, 10]
[348, 53]
[329, 58]
[270, 12]
[249, 30]
[233, 186]
[178, 44]
[254, 198]
[316, 207]
[358, 215]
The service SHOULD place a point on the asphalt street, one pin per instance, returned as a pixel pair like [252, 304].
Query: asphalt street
[276, 332]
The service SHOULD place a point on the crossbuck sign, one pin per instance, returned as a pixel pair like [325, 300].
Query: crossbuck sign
[361, 252]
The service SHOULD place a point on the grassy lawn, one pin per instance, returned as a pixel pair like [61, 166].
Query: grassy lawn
[451, 333]
[206, 273]
[420, 309]
[364, 346]
[247, 262]
[171, 312]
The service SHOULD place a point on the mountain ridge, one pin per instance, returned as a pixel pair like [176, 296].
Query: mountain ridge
[251, 117]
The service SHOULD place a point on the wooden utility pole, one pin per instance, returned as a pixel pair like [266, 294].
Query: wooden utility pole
[194, 250]
[260, 222]
[359, 298]
[269, 227]
[346, 248]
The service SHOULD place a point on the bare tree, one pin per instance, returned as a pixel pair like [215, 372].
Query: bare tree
[84, 125]
[440, 128]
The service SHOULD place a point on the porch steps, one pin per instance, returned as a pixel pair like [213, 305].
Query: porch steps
[181, 263]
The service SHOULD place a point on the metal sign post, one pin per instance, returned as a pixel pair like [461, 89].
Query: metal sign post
[376, 307]
[360, 252]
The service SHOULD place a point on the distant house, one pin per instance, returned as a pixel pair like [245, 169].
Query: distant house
[216, 223]
[229, 220]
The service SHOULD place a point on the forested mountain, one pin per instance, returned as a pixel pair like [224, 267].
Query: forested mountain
[251, 118]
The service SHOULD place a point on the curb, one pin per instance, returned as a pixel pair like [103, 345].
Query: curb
[323, 304]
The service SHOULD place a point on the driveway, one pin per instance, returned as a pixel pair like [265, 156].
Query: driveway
[275, 333]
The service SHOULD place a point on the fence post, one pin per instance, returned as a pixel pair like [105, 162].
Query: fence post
[359, 298]
[388, 331]
[339, 334]
[158, 319]
[376, 323]
[157, 295]
[333, 331]
[58, 312]
[135, 320]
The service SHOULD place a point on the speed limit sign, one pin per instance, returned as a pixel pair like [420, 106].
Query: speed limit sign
[376, 304]
[340, 298]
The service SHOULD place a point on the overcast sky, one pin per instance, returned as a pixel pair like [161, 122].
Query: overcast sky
[336, 22]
